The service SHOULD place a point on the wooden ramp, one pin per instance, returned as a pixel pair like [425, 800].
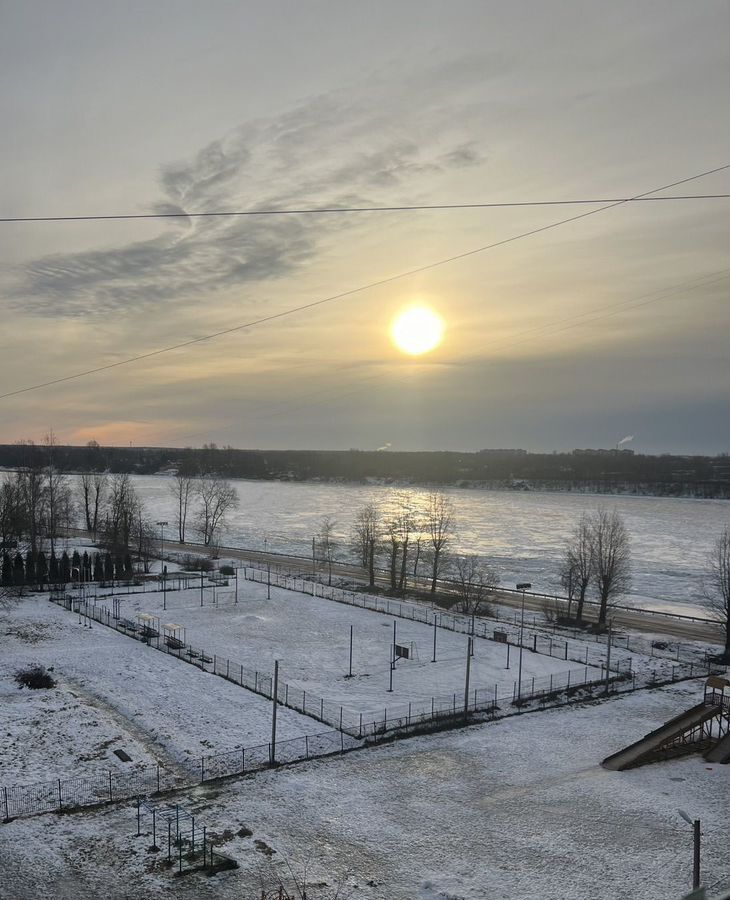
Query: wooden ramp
[705, 728]
[719, 752]
[678, 735]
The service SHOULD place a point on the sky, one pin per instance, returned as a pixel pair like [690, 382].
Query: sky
[612, 325]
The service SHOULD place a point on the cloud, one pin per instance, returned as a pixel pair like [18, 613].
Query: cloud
[329, 150]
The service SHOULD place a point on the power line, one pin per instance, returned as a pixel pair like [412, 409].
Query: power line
[349, 293]
[329, 210]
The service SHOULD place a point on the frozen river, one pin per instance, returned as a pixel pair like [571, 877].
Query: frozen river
[520, 533]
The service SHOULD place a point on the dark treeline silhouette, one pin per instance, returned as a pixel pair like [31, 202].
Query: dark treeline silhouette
[606, 471]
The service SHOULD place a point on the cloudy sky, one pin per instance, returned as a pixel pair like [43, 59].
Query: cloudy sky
[611, 325]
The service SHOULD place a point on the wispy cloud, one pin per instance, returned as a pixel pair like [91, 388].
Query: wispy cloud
[328, 150]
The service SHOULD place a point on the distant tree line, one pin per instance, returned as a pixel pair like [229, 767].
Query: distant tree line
[608, 471]
[39, 503]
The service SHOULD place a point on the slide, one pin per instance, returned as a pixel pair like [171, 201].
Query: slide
[634, 753]
[719, 752]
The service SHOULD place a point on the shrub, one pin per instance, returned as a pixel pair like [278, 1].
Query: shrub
[35, 677]
[192, 563]
[227, 570]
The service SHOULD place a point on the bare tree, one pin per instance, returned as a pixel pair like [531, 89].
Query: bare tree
[11, 513]
[611, 557]
[121, 513]
[717, 585]
[393, 539]
[365, 537]
[400, 526]
[93, 493]
[182, 490]
[217, 499]
[440, 528]
[326, 543]
[59, 504]
[577, 568]
[407, 526]
[144, 536]
[475, 582]
[32, 494]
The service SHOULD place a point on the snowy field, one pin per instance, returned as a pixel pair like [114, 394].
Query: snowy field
[115, 693]
[518, 808]
[310, 638]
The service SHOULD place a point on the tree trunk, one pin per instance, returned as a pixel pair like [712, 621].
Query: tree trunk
[371, 563]
[434, 576]
[404, 562]
[603, 607]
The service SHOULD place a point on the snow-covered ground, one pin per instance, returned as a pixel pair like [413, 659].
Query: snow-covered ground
[514, 809]
[115, 693]
[310, 637]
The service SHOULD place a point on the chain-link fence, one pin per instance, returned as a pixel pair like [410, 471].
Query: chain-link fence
[589, 654]
[106, 787]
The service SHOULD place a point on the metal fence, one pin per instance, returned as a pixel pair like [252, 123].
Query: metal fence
[353, 723]
[587, 654]
[85, 790]
[109, 786]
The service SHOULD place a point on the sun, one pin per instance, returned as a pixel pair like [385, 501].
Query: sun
[417, 330]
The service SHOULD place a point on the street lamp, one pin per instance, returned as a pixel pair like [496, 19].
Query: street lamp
[695, 823]
[162, 545]
[163, 567]
[522, 586]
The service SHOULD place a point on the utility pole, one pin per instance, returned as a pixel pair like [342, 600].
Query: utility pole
[523, 586]
[608, 658]
[434, 637]
[201, 587]
[314, 559]
[162, 545]
[164, 587]
[349, 674]
[392, 660]
[235, 572]
[466, 680]
[696, 833]
[274, 699]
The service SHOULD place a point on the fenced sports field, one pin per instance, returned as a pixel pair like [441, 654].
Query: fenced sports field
[312, 638]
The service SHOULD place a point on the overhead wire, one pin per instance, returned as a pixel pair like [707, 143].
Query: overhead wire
[330, 210]
[357, 290]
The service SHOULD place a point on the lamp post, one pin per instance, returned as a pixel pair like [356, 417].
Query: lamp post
[522, 586]
[162, 545]
[163, 567]
[268, 568]
[695, 823]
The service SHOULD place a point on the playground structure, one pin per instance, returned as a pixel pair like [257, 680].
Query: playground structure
[187, 848]
[704, 728]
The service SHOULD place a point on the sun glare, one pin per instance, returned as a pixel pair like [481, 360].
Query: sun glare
[417, 330]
